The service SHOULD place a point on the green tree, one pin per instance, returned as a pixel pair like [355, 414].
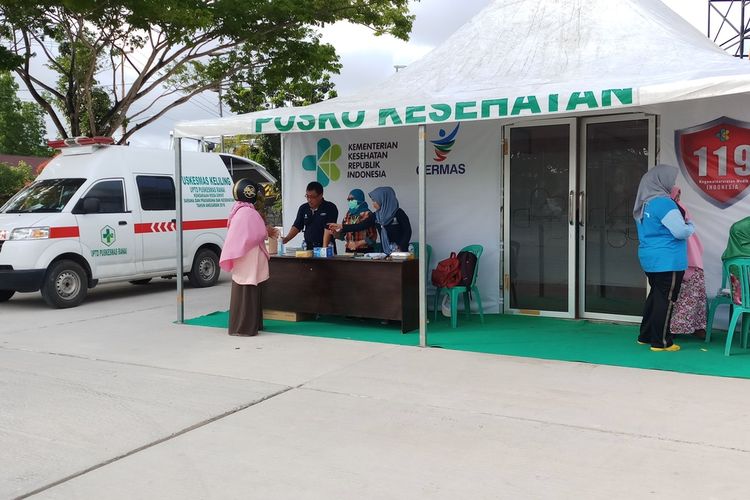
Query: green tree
[22, 128]
[180, 48]
[276, 90]
[85, 105]
[12, 179]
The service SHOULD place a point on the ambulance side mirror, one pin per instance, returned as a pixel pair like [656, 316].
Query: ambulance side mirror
[87, 206]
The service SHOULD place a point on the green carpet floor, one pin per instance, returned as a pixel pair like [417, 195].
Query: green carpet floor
[532, 337]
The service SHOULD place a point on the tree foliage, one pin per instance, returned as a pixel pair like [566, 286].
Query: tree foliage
[90, 104]
[266, 51]
[21, 123]
[12, 179]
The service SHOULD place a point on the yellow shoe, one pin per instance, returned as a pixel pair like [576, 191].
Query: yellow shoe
[672, 348]
[641, 343]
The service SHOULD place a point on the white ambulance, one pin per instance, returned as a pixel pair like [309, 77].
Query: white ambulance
[101, 213]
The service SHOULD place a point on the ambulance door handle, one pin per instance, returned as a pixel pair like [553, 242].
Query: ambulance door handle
[123, 223]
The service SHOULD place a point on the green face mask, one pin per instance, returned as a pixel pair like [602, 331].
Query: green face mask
[353, 204]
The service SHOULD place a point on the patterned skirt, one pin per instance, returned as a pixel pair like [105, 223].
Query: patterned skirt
[689, 313]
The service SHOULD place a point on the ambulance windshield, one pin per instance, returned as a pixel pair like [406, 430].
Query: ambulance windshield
[48, 195]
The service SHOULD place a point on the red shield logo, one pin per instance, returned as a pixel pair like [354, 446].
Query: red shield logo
[715, 158]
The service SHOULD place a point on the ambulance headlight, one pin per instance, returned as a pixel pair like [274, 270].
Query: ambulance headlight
[30, 233]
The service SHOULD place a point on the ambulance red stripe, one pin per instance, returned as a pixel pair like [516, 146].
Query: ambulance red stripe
[204, 224]
[64, 232]
[188, 225]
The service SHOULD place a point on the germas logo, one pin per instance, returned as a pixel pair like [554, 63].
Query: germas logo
[443, 147]
[324, 162]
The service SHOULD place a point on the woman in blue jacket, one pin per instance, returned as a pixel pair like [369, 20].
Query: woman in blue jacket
[662, 251]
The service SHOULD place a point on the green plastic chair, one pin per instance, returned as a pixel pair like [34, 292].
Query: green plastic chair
[741, 269]
[720, 300]
[414, 245]
[455, 291]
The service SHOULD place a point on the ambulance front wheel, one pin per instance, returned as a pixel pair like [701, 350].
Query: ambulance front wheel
[205, 270]
[5, 295]
[65, 285]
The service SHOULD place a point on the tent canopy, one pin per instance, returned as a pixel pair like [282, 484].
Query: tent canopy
[522, 58]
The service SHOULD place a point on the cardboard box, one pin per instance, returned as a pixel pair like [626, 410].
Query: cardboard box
[272, 314]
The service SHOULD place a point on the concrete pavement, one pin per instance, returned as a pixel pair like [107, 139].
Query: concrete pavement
[113, 400]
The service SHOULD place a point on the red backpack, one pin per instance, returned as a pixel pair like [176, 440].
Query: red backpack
[447, 273]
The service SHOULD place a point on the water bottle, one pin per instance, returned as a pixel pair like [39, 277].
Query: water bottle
[411, 249]
[329, 252]
[304, 245]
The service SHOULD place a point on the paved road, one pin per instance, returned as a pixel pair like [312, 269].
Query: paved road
[112, 400]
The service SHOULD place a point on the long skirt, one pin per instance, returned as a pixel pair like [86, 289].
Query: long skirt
[245, 310]
[690, 309]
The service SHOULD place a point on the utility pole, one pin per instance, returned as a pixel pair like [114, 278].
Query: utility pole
[122, 85]
[122, 82]
[221, 115]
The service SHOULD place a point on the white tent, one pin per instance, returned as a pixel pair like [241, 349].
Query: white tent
[518, 60]
[525, 57]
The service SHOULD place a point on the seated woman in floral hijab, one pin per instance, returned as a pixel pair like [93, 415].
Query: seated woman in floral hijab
[390, 220]
[362, 241]
[245, 256]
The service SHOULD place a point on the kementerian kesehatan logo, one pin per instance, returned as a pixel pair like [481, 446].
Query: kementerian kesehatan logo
[108, 235]
[324, 162]
[444, 145]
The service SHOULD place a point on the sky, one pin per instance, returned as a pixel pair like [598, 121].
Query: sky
[368, 59]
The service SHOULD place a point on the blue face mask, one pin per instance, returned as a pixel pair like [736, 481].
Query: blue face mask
[353, 204]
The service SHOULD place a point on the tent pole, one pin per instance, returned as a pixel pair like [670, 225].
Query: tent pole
[178, 229]
[422, 240]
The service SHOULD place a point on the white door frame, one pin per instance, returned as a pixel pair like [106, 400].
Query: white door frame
[572, 242]
[581, 195]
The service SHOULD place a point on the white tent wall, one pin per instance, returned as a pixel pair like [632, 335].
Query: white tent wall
[712, 223]
[463, 190]
[464, 206]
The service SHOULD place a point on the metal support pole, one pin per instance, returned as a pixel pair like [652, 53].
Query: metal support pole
[221, 115]
[178, 221]
[422, 239]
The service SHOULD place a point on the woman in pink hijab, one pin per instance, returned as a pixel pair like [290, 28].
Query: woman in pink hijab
[245, 256]
[689, 315]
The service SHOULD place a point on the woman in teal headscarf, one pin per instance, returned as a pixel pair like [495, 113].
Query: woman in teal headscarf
[362, 240]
